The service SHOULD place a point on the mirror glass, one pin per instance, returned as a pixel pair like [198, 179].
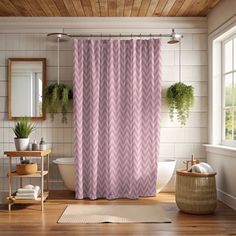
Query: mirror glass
[26, 87]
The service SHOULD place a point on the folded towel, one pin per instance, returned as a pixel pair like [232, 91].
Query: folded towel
[26, 197]
[201, 168]
[24, 193]
[27, 190]
[28, 194]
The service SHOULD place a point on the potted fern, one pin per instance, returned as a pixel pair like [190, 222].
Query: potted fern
[57, 96]
[23, 128]
[179, 97]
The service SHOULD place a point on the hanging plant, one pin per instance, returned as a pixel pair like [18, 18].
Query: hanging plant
[57, 96]
[180, 98]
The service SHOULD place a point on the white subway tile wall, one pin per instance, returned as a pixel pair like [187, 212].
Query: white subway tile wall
[176, 142]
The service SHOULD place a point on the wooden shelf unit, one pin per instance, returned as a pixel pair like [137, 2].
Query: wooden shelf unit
[29, 201]
[39, 174]
[35, 175]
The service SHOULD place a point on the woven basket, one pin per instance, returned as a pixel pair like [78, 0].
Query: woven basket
[26, 169]
[195, 192]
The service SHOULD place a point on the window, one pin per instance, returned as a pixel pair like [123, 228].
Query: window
[229, 89]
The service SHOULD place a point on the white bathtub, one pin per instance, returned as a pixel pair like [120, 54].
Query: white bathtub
[67, 170]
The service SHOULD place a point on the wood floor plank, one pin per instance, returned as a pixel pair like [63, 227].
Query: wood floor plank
[28, 220]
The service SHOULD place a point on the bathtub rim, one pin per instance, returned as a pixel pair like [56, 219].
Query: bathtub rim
[64, 161]
[70, 160]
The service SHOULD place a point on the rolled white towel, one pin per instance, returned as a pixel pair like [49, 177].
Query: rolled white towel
[28, 186]
[201, 168]
[207, 167]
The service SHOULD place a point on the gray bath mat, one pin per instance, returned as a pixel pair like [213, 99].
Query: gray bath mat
[92, 214]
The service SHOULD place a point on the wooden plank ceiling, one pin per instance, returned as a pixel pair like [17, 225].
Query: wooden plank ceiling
[106, 7]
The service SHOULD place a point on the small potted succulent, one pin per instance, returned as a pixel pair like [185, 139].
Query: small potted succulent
[23, 128]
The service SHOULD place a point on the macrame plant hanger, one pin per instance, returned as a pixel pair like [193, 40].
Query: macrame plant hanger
[57, 95]
[58, 37]
[180, 72]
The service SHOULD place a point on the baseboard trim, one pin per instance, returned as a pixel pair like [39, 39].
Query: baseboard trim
[168, 189]
[226, 198]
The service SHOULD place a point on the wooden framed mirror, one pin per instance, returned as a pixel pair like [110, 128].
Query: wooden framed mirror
[26, 85]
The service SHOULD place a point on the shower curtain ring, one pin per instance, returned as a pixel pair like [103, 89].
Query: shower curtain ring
[131, 36]
[140, 36]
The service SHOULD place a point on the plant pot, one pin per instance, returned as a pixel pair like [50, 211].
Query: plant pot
[22, 144]
[26, 169]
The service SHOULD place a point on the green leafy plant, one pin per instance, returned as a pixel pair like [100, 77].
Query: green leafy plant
[57, 96]
[23, 127]
[179, 97]
[26, 161]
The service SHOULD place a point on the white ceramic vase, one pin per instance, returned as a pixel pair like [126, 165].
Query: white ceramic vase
[22, 144]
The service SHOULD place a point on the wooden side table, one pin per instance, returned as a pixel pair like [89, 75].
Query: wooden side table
[39, 174]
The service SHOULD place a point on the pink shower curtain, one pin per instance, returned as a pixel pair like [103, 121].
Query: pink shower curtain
[117, 99]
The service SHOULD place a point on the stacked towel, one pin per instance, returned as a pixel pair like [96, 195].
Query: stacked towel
[28, 192]
[201, 168]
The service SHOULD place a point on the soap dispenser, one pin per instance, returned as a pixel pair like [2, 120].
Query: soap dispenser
[42, 145]
[35, 146]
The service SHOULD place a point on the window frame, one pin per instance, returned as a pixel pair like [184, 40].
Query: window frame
[232, 37]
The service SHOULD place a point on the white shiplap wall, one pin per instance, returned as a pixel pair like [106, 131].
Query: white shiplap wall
[21, 38]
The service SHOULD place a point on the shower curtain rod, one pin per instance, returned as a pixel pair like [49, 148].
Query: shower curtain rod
[119, 35]
[174, 38]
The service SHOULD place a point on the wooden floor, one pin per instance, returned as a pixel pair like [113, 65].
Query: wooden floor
[29, 221]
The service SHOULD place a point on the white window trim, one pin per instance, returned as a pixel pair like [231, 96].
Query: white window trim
[220, 149]
[215, 82]
[232, 36]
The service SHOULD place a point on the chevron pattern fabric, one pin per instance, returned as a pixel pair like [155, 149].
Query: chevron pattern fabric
[117, 101]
